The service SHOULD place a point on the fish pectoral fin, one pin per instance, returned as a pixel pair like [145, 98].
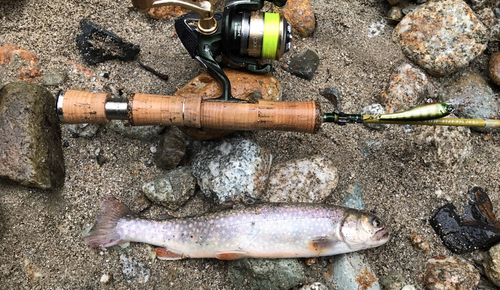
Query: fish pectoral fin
[319, 244]
[231, 255]
[166, 254]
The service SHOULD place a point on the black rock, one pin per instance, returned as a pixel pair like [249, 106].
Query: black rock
[303, 66]
[171, 149]
[98, 45]
[476, 229]
[332, 95]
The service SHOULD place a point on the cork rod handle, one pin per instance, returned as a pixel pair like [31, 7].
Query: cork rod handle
[192, 111]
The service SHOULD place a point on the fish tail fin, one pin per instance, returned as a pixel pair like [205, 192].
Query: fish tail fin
[103, 233]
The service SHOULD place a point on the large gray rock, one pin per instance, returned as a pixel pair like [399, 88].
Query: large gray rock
[30, 137]
[472, 98]
[302, 180]
[266, 274]
[232, 170]
[441, 36]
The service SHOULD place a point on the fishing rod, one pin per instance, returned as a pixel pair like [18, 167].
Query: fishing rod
[303, 116]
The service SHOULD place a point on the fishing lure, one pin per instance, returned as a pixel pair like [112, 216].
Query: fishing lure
[419, 113]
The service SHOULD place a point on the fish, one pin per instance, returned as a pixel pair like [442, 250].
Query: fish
[267, 230]
[419, 113]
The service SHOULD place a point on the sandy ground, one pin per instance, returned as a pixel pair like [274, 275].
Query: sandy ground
[404, 179]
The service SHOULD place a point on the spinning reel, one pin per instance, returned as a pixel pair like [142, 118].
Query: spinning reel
[241, 34]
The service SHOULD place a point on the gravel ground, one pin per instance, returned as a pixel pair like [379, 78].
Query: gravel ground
[404, 179]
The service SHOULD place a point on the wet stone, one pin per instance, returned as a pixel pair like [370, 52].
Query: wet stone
[232, 170]
[419, 244]
[476, 229]
[303, 180]
[304, 66]
[449, 273]
[492, 264]
[98, 45]
[354, 198]
[144, 133]
[31, 150]
[441, 36]
[471, 97]
[173, 189]
[352, 271]
[171, 149]
[300, 14]
[494, 68]
[406, 87]
[83, 130]
[266, 273]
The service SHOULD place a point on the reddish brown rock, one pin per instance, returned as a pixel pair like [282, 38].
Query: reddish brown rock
[301, 15]
[441, 36]
[244, 86]
[495, 68]
[405, 88]
[28, 69]
[449, 273]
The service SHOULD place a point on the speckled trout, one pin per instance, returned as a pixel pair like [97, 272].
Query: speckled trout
[272, 230]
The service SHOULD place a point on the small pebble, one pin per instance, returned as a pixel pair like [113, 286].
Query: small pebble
[395, 14]
[314, 286]
[495, 68]
[304, 66]
[419, 244]
[83, 130]
[54, 78]
[409, 287]
[105, 278]
[332, 95]
[393, 2]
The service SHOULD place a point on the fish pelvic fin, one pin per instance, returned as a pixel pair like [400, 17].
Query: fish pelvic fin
[231, 255]
[103, 233]
[166, 254]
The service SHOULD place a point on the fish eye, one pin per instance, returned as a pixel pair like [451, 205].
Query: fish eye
[376, 223]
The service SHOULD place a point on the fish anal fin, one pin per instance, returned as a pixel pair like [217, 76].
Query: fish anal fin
[231, 255]
[320, 244]
[165, 254]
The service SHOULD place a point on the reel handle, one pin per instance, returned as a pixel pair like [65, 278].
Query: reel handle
[143, 109]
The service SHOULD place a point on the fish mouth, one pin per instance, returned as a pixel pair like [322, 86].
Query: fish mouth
[381, 235]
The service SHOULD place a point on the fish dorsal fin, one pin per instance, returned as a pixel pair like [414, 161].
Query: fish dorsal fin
[231, 255]
[166, 254]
